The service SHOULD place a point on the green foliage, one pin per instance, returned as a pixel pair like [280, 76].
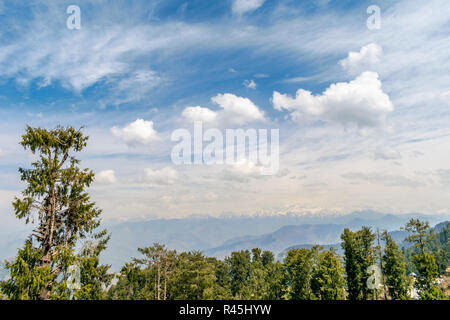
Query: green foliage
[194, 278]
[327, 281]
[240, 268]
[299, 269]
[359, 254]
[305, 274]
[133, 284]
[424, 262]
[27, 280]
[421, 234]
[55, 199]
[93, 275]
[395, 270]
[434, 293]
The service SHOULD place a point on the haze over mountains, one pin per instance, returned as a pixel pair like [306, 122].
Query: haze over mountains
[220, 236]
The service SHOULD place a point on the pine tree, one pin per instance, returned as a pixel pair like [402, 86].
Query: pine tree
[299, 264]
[55, 199]
[394, 269]
[359, 255]
[421, 235]
[327, 281]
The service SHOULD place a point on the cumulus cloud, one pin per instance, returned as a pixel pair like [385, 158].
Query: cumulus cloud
[234, 111]
[164, 176]
[250, 84]
[137, 132]
[387, 153]
[360, 102]
[106, 177]
[199, 114]
[243, 6]
[238, 110]
[367, 57]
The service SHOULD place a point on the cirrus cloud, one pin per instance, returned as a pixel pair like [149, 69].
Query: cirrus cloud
[243, 6]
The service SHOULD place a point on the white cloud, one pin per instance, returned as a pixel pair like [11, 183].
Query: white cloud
[243, 6]
[249, 84]
[164, 176]
[35, 115]
[235, 111]
[137, 132]
[360, 102]
[296, 79]
[242, 170]
[387, 153]
[238, 110]
[199, 114]
[367, 57]
[134, 87]
[106, 177]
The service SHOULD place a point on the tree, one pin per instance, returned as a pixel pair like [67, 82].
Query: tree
[240, 268]
[427, 269]
[394, 269]
[194, 277]
[222, 285]
[162, 261]
[55, 199]
[274, 277]
[327, 281]
[359, 255]
[299, 265]
[267, 258]
[421, 233]
[132, 284]
[94, 276]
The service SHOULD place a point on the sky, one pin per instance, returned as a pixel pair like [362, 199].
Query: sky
[363, 113]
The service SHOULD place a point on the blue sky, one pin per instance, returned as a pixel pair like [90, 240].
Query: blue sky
[363, 114]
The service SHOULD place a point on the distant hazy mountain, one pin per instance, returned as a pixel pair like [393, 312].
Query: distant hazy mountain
[220, 236]
[398, 236]
[305, 236]
[282, 238]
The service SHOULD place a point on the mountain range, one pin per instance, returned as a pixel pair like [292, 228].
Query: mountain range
[220, 236]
